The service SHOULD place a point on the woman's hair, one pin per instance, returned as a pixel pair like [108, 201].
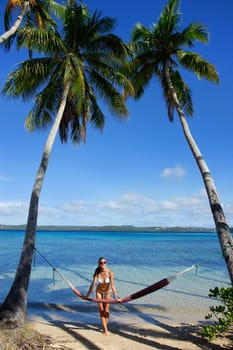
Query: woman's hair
[98, 269]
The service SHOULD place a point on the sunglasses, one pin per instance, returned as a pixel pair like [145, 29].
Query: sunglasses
[103, 262]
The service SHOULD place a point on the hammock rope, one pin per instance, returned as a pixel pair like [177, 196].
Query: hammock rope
[150, 289]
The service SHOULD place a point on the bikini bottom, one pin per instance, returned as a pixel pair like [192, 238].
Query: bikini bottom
[105, 295]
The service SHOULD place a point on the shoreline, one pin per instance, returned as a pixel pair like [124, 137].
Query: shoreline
[113, 228]
[131, 327]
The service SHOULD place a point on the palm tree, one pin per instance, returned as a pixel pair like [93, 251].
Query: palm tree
[81, 67]
[36, 12]
[159, 51]
[10, 32]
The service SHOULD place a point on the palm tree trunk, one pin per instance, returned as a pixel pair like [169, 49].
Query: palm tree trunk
[222, 228]
[13, 310]
[17, 23]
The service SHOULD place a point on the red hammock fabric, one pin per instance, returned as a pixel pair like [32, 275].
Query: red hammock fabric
[150, 289]
[158, 285]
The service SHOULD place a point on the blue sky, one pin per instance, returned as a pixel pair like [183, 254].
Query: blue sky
[138, 172]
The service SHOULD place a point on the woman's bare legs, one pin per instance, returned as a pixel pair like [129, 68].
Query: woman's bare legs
[107, 308]
[103, 319]
[104, 312]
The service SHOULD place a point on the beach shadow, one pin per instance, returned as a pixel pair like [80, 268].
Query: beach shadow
[174, 333]
[72, 330]
[151, 332]
[191, 333]
[183, 332]
[142, 336]
[146, 337]
[127, 332]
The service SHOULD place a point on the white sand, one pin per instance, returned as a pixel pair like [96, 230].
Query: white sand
[130, 327]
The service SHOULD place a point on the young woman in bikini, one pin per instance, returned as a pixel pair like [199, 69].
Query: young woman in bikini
[104, 278]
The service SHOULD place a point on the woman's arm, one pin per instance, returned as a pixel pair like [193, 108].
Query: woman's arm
[92, 286]
[113, 286]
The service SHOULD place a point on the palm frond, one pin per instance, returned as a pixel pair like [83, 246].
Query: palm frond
[183, 92]
[46, 41]
[31, 120]
[57, 9]
[70, 124]
[201, 67]
[75, 24]
[111, 44]
[109, 94]
[97, 118]
[142, 79]
[170, 18]
[140, 33]
[99, 24]
[193, 33]
[141, 68]
[26, 80]
[46, 104]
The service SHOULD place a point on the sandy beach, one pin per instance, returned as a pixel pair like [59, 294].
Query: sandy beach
[148, 329]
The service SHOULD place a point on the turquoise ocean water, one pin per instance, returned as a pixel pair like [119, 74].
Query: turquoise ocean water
[138, 259]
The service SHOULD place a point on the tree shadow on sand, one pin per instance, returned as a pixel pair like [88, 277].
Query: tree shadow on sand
[149, 333]
[183, 332]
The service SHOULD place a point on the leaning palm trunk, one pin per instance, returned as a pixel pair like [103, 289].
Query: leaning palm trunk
[222, 228]
[5, 36]
[13, 310]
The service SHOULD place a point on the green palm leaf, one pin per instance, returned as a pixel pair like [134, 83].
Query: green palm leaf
[195, 63]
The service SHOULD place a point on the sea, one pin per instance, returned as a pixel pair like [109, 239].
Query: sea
[138, 259]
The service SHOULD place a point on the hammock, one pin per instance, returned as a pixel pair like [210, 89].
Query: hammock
[141, 293]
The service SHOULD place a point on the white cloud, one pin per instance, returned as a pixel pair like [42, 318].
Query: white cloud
[12, 208]
[176, 172]
[129, 209]
[75, 207]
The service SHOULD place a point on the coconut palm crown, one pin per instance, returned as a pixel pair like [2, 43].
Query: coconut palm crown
[88, 57]
[164, 48]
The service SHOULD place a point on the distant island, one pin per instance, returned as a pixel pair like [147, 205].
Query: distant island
[112, 228]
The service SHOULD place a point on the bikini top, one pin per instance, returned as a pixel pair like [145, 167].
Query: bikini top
[103, 280]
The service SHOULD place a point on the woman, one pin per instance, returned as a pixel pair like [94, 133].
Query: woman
[105, 287]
